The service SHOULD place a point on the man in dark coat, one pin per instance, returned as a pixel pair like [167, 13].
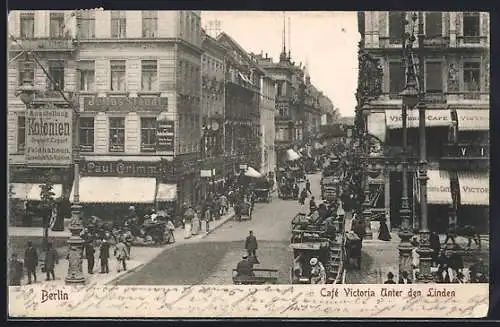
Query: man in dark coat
[308, 187]
[51, 259]
[251, 244]
[312, 205]
[104, 256]
[89, 255]
[404, 279]
[244, 267]
[31, 261]
[15, 270]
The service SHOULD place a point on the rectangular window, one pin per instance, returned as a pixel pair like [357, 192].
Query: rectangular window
[397, 78]
[86, 24]
[57, 25]
[396, 26]
[116, 134]
[148, 134]
[26, 72]
[472, 78]
[149, 23]
[434, 77]
[87, 75]
[118, 24]
[87, 134]
[56, 71]
[118, 74]
[149, 73]
[471, 27]
[21, 133]
[433, 24]
[27, 25]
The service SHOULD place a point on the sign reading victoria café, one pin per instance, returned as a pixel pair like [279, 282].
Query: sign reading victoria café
[49, 136]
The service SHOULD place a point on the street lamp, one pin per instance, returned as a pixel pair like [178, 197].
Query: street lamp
[27, 94]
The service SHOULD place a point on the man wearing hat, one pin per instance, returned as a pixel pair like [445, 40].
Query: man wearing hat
[318, 272]
[244, 267]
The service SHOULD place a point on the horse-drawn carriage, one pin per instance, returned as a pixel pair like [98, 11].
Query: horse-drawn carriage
[243, 211]
[262, 191]
[287, 191]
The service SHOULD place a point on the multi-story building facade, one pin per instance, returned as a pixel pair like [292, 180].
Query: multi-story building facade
[50, 35]
[456, 69]
[213, 112]
[137, 75]
[242, 108]
[267, 124]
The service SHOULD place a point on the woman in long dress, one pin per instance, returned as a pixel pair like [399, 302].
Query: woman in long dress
[188, 218]
[195, 224]
[384, 234]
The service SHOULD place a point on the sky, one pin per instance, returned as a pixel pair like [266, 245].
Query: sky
[327, 41]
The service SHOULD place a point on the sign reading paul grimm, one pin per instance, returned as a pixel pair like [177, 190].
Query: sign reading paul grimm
[49, 136]
[125, 104]
[120, 168]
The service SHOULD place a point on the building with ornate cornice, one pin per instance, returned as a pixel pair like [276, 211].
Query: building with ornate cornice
[456, 81]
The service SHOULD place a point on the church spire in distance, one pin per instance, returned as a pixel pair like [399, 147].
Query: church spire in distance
[283, 55]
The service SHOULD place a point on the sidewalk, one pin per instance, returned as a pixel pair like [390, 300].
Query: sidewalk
[140, 255]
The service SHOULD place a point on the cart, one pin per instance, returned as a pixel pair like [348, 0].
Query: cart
[262, 195]
[300, 272]
[258, 277]
[243, 211]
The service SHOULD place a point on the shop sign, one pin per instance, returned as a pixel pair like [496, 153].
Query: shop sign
[475, 190]
[432, 118]
[165, 131]
[125, 104]
[439, 189]
[120, 168]
[49, 136]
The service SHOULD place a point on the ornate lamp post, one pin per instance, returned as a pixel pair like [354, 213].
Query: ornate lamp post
[365, 150]
[425, 252]
[410, 97]
[27, 94]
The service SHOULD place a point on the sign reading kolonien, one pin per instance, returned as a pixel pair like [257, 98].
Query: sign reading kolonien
[49, 136]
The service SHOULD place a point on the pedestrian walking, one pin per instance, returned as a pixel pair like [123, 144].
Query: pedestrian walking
[15, 270]
[308, 186]
[195, 223]
[188, 218]
[170, 228]
[303, 196]
[121, 255]
[104, 256]
[384, 234]
[251, 245]
[312, 205]
[31, 261]
[129, 239]
[90, 256]
[51, 259]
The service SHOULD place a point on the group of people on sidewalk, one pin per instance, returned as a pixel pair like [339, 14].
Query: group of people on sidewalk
[197, 220]
[17, 268]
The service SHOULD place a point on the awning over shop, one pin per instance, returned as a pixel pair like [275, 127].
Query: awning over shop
[433, 118]
[116, 190]
[438, 187]
[291, 155]
[31, 192]
[474, 188]
[166, 192]
[250, 172]
[376, 125]
[473, 120]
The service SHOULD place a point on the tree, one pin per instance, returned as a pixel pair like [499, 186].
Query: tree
[47, 197]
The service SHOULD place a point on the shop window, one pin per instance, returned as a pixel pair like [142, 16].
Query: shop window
[118, 24]
[56, 71]
[116, 134]
[118, 75]
[472, 75]
[27, 21]
[21, 133]
[149, 23]
[87, 134]
[433, 24]
[57, 27]
[87, 75]
[26, 72]
[395, 27]
[86, 24]
[148, 134]
[471, 27]
[149, 73]
[434, 77]
[396, 78]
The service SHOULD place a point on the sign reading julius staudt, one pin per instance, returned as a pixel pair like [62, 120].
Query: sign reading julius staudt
[49, 136]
